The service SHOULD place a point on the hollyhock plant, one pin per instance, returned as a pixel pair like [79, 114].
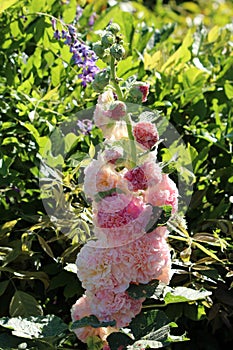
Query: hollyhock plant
[128, 193]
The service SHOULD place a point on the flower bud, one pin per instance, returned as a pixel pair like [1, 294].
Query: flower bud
[101, 80]
[114, 28]
[138, 92]
[117, 51]
[108, 39]
[98, 49]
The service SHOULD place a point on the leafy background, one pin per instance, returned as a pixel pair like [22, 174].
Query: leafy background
[184, 50]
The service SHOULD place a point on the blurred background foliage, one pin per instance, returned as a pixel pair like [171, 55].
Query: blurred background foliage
[184, 50]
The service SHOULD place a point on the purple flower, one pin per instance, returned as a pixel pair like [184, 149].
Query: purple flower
[57, 35]
[85, 126]
[54, 22]
[83, 56]
[91, 20]
[79, 12]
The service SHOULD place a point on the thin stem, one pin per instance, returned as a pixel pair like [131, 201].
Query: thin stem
[114, 79]
[133, 152]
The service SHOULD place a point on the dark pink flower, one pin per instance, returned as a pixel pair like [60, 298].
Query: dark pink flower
[146, 134]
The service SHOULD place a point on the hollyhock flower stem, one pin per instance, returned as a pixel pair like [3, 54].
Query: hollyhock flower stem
[114, 79]
[133, 153]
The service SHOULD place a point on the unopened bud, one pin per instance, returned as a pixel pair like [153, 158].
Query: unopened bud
[117, 51]
[107, 40]
[138, 92]
[114, 28]
[98, 49]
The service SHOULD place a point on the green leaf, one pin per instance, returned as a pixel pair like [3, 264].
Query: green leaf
[3, 286]
[147, 322]
[181, 56]
[23, 304]
[117, 340]
[7, 227]
[138, 291]
[184, 294]
[45, 246]
[35, 327]
[228, 87]
[91, 321]
[92, 150]
[94, 343]
[159, 217]
[6, 4]
[213, 34]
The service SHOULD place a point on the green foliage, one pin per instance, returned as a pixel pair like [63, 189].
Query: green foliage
[188, 61]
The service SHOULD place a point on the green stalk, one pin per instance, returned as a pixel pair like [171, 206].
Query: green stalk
[133, 152]
[114, 79]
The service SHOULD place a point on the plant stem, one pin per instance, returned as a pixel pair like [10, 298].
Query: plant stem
[133, 153]
[114, 79]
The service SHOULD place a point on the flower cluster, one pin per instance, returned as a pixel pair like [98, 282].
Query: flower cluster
[82, 55]
[125, 184]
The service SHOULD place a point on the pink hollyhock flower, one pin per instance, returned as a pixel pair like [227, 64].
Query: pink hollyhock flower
[144, 88]
[103, 268]
[163, 193]
[108, 305]
[80, 309]
[151, 256]
[137, 179]
[116, 111]
[99, 177]
[107, 115]
[146, 134]
[120, 219]
[141, 177]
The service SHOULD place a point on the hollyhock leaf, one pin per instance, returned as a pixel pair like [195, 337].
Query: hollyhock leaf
[34, 327]
[159, 217]
[91, 321]
[94, 343]
[147, 322]
[119, 340]
[158, 339]
[184, 294]
[138, 291]
[101, 195]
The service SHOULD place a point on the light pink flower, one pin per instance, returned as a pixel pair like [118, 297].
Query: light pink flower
[107, 115]
[116, 111]
[151, 255]
[145, 134]
[80, 309]
[103, 268]
[108, 305]
[99, 177]
[111, 155]
[163, 193]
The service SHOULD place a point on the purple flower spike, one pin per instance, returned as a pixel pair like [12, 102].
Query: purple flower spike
[57, 35]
